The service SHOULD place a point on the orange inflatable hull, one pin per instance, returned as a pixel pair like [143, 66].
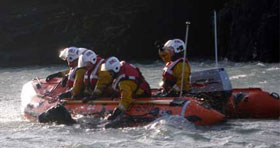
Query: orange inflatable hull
[253, 103]
[142, 109]
[151, 108]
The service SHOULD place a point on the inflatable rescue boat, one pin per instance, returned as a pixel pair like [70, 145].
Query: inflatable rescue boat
[39, 103]
[210, 101]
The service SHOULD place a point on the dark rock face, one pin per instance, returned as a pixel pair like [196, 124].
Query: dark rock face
[249, 30]
[32, 31]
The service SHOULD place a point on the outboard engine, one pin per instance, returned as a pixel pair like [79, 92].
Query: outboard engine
[212, 85]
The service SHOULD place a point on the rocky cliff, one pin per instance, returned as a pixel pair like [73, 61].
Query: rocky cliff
[32, 31]
[249, 30]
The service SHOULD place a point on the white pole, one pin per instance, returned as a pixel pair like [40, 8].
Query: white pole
[216, 42]
[184, 60]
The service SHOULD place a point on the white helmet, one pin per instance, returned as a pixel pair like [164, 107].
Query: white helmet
[70, 54]
[176, 44]
[81, 51]
[88, 56]
[113, 63]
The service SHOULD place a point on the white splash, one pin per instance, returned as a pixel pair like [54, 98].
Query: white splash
[27, 94]
[237, 77]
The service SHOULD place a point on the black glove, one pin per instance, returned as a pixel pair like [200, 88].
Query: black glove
[89, 98]
[53, 76]
[117, 112]
[161, 93]
[64, 81]
[65, 95]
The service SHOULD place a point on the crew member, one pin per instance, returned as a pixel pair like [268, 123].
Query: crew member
[70, 55]
[101, 87]
[96, 81]
[128, 81]
[88, 60]
[172, 53]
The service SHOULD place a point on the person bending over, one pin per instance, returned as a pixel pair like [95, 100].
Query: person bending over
[128, 81]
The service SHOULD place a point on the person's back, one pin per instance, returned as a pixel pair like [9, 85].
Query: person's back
[131, 83]
[128, 81]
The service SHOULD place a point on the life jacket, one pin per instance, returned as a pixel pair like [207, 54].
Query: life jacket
[131, 72]
[167, 75]
[91, 76]
[71, 77]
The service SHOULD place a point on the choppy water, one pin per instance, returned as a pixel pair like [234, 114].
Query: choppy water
[172, 131]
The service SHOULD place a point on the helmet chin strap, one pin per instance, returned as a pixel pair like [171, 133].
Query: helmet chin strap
[184, 60]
